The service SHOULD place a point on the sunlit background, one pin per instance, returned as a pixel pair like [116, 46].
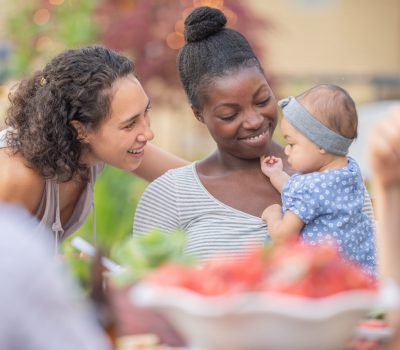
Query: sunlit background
[353, 43]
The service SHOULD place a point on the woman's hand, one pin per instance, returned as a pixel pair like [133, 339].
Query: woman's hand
[384, 143]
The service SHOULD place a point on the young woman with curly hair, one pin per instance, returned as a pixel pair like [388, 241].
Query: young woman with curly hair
[85, 109]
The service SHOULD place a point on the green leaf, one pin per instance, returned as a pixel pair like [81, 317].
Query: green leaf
[139, 255]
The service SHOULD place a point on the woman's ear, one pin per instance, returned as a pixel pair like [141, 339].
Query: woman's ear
[322, 151]
[197, 114]
[81, 130]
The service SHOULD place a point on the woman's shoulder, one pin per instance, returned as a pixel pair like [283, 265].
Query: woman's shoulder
[184, 173]
[19, 183]
[180, 180]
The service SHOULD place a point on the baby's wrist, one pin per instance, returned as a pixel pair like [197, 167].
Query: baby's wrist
[276, 172]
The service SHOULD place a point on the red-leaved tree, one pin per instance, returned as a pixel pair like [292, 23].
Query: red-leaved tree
[151, 31]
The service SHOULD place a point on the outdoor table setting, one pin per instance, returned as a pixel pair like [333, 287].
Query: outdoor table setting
[295, 296]
[281, 325]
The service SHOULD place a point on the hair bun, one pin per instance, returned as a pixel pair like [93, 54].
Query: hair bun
[203, 22]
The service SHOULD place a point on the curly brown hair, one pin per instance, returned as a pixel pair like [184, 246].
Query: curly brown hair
[75, 85]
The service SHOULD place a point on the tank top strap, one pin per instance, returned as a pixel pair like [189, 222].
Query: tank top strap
[93, 173]
[56, 226]
[3, 137]
[49, 207]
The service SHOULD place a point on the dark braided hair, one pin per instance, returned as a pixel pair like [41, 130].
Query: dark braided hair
[211, 51]
[75, 85]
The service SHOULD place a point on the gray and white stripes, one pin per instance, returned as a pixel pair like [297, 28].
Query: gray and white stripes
[178, 200]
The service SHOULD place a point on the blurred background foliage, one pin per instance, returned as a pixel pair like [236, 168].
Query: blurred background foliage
[148, 31]
[152, 32]
[39, 29]
[116, 196]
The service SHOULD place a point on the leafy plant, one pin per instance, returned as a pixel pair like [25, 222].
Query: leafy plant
[116, 196]
[140, 254]
[79, 266]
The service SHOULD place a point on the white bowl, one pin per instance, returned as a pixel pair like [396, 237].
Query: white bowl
[258, 321]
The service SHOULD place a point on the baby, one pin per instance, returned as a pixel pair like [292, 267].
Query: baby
[324, 199]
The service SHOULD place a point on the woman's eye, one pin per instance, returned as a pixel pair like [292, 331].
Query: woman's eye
[263, 103]
[229, 117]
[130, 125]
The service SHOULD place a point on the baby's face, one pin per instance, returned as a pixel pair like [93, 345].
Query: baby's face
[303, 155]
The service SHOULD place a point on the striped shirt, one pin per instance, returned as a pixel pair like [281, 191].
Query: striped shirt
[178, 200]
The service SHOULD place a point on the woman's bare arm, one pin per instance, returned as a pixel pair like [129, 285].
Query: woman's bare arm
[156, 162]
[19, 184]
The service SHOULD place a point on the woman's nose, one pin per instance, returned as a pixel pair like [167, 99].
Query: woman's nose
[145, 134]
[253, 120]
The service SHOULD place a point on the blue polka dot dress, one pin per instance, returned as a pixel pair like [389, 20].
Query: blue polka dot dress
[330, 204]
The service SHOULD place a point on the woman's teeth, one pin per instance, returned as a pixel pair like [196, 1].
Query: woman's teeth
[256, 137]
[132, 151]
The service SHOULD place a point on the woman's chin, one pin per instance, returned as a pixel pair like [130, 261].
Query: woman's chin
[129, 166]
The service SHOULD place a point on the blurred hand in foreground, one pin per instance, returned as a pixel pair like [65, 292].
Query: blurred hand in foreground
[384, 142]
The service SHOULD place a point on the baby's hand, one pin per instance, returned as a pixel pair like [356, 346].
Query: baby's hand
[271, 165]
[271, 211]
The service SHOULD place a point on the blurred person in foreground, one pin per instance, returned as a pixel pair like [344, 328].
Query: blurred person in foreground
[40, 307]
[385, 161]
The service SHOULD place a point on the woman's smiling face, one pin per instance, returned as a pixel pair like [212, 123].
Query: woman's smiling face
[121, 139]
[240, 112]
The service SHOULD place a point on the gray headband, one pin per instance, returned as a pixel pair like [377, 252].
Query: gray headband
[312, 128]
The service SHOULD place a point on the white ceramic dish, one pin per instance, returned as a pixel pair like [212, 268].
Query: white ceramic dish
[381, 334]
[258, 321]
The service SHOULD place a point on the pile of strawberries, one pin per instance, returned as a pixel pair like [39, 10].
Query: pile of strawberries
[295, 268]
